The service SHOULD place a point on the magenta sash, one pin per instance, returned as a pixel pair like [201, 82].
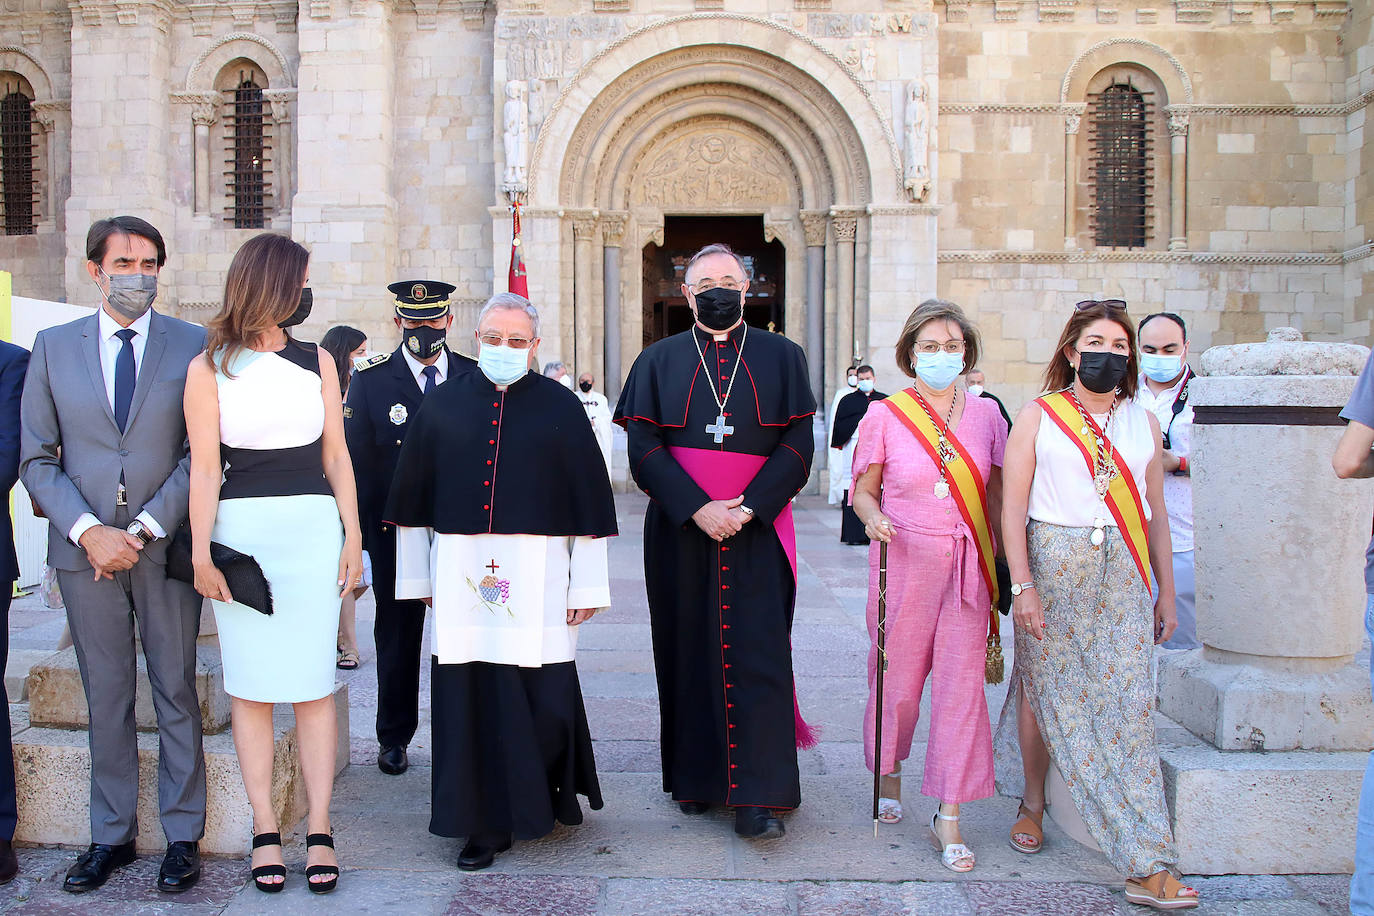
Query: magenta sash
[724, 475]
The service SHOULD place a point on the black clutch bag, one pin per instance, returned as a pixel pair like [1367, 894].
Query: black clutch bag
[241, 572]
[1003, 585]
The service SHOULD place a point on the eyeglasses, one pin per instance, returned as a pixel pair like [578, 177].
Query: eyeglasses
[935, 346]
[1118, 305]
[496, 340]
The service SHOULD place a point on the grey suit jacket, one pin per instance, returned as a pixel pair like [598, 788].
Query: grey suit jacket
[72, 452]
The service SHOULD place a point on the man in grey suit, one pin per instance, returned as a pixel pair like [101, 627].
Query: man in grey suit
[103, 454]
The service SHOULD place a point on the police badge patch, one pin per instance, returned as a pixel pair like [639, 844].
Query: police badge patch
[398, 414]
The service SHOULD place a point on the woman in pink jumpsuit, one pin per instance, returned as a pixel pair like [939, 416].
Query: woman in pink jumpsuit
[937, 600]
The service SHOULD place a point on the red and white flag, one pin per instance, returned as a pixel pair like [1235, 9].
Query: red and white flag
[516, 282]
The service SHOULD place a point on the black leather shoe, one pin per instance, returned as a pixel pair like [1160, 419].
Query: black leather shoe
[481, 850]
[757, 823]
[691, 807]
[180, 868]
[9, 862]
[95, 866]
[393, 760]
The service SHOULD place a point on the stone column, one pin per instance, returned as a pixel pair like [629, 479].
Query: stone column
[1279, 555]
[345, 108]
[45, 120]
[283, 154]
[845, 228]
[612, 234]
[202, 119]
[813, 227]
[584, 265]
[119, 125]
[1178, 178]
[1073, 117]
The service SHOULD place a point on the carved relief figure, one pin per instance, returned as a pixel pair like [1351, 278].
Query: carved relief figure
[517, 123]
[917, 132]
[713, 170]
[868, 62]
[538, 107]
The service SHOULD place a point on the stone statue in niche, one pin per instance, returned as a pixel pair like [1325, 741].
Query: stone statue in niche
[516, 117]
[917, 132]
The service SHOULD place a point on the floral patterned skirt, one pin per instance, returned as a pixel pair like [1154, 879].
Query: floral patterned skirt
[1088, 682]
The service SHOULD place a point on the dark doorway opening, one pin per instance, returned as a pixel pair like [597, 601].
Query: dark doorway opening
[666, 311]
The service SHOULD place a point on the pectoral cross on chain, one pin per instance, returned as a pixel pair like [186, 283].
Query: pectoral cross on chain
[719, 429]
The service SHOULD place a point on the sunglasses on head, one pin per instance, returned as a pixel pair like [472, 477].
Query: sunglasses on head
[1115, 304]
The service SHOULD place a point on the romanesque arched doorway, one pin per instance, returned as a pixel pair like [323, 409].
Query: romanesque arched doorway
[719, 127]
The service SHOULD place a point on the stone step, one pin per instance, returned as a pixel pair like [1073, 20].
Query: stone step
[57, 700]
[1271, 813]
[53, 771]
[17, 671]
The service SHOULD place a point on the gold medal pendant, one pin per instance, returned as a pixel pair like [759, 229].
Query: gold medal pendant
[942, 489]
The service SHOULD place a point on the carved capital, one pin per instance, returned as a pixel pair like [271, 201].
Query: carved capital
[813, 227]
[612, 229]
[474, 12]
[584, 228]
[280, 99]
[774, 230]
[1178, 121]
[845, 228]
[204, 106]
[1073, 117]
[45, 114]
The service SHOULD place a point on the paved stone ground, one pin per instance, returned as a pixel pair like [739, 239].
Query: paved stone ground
[638, 854]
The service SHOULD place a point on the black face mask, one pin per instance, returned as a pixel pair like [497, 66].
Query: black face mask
[1101, 372]
[302, 311]
[585, 386]
[424, 341]
[719, 309]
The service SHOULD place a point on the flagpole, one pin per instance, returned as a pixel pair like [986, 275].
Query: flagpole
[882, 666]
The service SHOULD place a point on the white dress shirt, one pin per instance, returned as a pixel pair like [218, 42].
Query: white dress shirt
[1178, 489]
[110, 345]
[418, 368]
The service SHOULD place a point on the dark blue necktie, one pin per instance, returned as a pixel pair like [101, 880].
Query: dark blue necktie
[125, 376]
[430, 374]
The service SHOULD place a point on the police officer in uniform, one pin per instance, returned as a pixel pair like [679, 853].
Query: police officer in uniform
[383, 396]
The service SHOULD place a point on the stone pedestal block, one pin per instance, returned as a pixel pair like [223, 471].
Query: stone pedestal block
[1263, 814]
[1253, 708]
[57, 700]
[53, 771]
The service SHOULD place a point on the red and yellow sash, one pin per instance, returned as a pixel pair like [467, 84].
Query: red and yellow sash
[1123, 496]
[965, 483]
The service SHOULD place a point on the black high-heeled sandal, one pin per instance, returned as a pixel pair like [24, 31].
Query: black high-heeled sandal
[321, 887]
[268, 871]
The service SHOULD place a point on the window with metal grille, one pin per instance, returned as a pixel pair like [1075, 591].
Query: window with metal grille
[248, 145]
[20, 193]
[1120, 140]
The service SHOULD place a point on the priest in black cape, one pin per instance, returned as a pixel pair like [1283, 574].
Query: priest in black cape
[848, 412]
[502, 509]
[719, 419]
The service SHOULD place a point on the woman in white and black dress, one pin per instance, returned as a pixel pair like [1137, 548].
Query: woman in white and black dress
[268, 407]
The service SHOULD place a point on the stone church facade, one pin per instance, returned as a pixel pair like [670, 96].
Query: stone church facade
[1201, 156]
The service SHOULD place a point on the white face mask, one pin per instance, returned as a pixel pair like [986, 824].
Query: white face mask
[975, 390]
[503, 365]
[852, 381]
[865, 385]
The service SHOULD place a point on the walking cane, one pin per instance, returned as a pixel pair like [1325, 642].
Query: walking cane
[882, 666]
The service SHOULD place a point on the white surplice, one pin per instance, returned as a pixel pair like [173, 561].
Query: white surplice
[599, 416]
[502, 598]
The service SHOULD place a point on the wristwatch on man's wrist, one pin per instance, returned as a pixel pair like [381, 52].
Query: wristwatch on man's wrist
[141, 531]
[1019, 587]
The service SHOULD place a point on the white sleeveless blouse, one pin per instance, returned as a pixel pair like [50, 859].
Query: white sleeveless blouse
[272, 402]
[1062, 491]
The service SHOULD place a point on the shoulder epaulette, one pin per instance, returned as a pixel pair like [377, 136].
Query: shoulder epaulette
[373, 361]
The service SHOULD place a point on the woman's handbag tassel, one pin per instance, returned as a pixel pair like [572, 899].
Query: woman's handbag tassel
[994, 669]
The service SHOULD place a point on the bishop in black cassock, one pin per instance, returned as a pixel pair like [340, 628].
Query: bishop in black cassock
[502, 509]
[721, 610]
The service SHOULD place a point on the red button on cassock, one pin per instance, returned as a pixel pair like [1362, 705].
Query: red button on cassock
[488, 462]
[734, 766]
[486, 507]
[734, 785]
[486, 483]
[495, 405]
[729, 705]
[728, 667]
[724, 587]
[732, 725]
[491, 442]
[493, 422]
[725, 569]
[725, 645]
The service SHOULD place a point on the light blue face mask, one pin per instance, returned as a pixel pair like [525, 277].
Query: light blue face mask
[1161, 368]
[503, 365]
[865, 385]
[939, 370]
